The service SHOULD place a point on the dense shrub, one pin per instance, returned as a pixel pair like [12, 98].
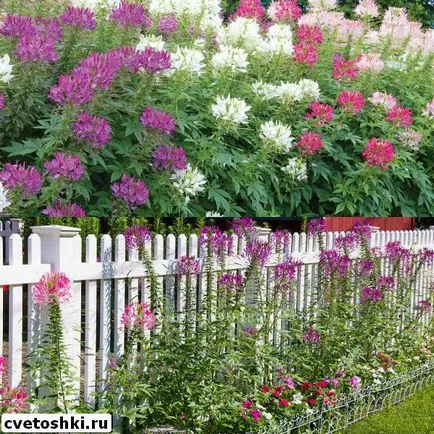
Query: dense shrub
[158, 110]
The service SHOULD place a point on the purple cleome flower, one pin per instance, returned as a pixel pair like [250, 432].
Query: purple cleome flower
[83, 18]
[130, 15]
[168, 24]
[92, 130]
[371, 295]
[231, 282]
[2, 101]
[169, 158]
[150, 60]
[386, 283]
[366, 267]
[21, 176]
[37, 48]
[137, 236]
[64, 210]
[188, 266]
[244, 227]
[158, 120]
[65, 166]
[362, 229]
[333, 262]
[426, 256]
[257, 252]
[311, 335]
[316, 226]
[347, 242]
[219, 242]
[395, 251]
[132, 191]
[49, 27]
[18, 26]
[285, 273]
[100, 69]
[72, 89]
[425, 306]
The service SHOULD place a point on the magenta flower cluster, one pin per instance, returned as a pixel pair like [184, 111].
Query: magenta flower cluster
[137, 236]
[2, 101]
[285, 274]
[71, 89]
[231, 282]
[311, 335]
[188, 265]
[130, 15]
[131, 190]
[60, 209]
[257, 252]
[83, 18]
[158, 120]
[22, 177]
[316, 226]
[65, 166]
[244, 227]
[169, 158]
[92, 130]
[371, 295]
[333, 263]
[366, 267]
[168, 24]
[386, 283]
[217, 241]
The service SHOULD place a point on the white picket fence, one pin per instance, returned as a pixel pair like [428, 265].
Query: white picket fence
[104, 283]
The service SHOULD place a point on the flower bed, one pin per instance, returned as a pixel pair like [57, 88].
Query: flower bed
[156, 108]
[216, 347]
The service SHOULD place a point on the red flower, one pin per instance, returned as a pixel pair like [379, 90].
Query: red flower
[379, 153]
[311, 401]
[331, 393]
[321, 384]
[345, 69]
[310, 143]
[277, 391]
[400, 116]
[284, 402]
[265, 389]
[305, 386]
[323, 113]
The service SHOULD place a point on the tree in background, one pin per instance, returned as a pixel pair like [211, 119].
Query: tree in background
[419, 10]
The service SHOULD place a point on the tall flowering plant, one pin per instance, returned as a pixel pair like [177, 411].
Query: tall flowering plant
[50, 359]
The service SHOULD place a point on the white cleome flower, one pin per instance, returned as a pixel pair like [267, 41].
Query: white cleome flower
[266, 90]
[310, 89]
[188, 59]
[189, 182]
[4, 201]
[231, 58]
[231, 109]
[367, 8]
[192, 8]
[5, 68]
[290, 92]
[296, 169]
[277, 135]
[297, 399]
[242, 32]
[150, 41]
[278, 41]
[322, 5]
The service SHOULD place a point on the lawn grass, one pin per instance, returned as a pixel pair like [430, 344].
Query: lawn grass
[413, 416]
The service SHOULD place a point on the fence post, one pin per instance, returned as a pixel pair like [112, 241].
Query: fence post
[59, 247]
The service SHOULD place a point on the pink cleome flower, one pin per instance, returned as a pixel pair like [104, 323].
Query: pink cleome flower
[168, 24]
[287, 11]
[384, 100]
[52, 287]
[323, 113]
[400, 116]
[345, 69]
[72, 89]
[310, 143]
[37, 48]
[23, 177]
[3, 365]
[310, 35]
[371, 295]
[17, 26]
[250, 9]
[138, 314]
[231, 282]
[379, 153]
[316, 226]
[305, 54]
[351, 101]
[2, 101]
[131, 190]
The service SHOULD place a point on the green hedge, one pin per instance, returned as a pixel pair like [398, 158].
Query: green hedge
[419, 10]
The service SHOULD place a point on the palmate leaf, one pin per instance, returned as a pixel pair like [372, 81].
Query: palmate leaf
[26, 147]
